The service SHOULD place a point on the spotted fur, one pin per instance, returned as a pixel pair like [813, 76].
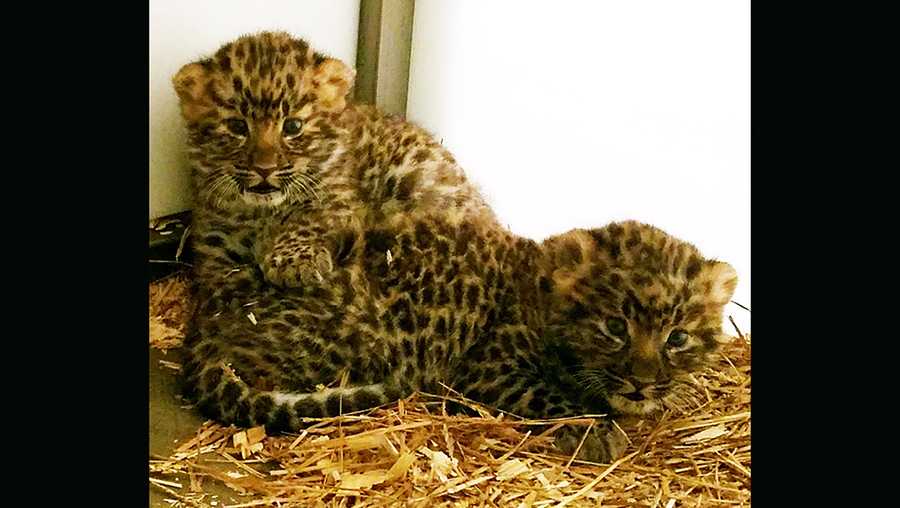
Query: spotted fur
[280, 158]
[515, 324]
[334, 242]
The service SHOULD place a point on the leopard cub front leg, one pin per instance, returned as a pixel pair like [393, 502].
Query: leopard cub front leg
[294, 259]
[604, 442]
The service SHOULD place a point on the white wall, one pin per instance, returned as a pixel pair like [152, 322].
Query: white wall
[183, 31]
[575, 113]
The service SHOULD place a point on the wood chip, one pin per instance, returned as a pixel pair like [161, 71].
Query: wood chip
[704, 435]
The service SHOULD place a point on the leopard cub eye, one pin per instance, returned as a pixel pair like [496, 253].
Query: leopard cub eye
[616, 326]
[292, 126]
[677, 338]
[237, 126]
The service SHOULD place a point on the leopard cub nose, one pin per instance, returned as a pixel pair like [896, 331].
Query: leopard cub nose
[264, 170]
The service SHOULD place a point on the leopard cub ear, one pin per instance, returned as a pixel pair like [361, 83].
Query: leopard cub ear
[718, 280]
[333, 80]
[190, 83]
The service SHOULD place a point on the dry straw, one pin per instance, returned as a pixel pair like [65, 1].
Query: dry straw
[413, 453]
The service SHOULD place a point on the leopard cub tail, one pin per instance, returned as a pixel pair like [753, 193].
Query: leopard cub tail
[221, 395]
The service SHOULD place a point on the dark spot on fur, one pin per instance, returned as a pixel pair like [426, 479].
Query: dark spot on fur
[242, 414]
[472, 295]
[378, 242]
[442, 298]
[578, 312]
[405, 322]
[389, 186]
[615, 230]
[407, 185]
[212, 377]
[421, 348]
[442, 246]
[513, 397]
[440, 327]
[464, 330]
[391, 393]
[407, 347]
[427, 295]
[572, 254]
[262, 406]
[537, 404]
[614, 250]
[693, 267]
[490, 396]
[231, 394]
[458, 293]
[209, 408]
[213, 241]
[281, 420]
[352, 341]
[334, 404]
[423, 235]
[308, 408]
[365, 399]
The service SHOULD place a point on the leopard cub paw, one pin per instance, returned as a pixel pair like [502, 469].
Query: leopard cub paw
[604, 443]
[298, 269]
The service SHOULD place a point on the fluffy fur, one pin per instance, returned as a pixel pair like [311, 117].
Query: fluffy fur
[364, 254]
[514, 324]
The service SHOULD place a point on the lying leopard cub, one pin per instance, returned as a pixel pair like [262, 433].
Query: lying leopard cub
[591, 321]
[279, 156]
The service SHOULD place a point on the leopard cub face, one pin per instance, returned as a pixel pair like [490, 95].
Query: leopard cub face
[636, 310]
[259, 115]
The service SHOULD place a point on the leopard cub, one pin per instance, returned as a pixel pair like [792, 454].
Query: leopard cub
[280, 158]
[593, 321]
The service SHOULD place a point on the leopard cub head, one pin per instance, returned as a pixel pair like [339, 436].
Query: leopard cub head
[260, 119]
[636, 309]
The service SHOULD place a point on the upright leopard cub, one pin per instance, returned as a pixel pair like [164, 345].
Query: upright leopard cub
[280, 159]
[606, 320]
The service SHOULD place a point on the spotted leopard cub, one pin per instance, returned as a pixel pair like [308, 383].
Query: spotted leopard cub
[280, 158]
[600, 321]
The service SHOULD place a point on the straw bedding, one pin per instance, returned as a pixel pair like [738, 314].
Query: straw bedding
[413, 453]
